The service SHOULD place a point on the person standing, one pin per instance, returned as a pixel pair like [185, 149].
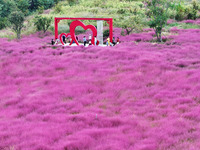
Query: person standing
[108, 42]
[113, 41]
[95, 40]
[118, 40]
[52, 42]
[64, 39]
[90, 39]
[57, 41]
[84, 40]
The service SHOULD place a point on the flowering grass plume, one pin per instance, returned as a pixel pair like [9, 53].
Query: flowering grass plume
[134, 96]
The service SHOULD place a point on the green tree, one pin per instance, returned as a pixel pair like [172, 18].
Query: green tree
[6, 7]
[42, 23]
[34, 4]
[130, 23]
[17, 20]
[158, 15]
[23, 5]
[46, 3]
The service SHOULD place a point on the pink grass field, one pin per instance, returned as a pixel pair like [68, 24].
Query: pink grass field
[134, 96]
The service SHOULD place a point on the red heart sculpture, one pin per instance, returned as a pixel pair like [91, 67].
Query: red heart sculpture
[76, 23]
[73, 26]
[61, 40]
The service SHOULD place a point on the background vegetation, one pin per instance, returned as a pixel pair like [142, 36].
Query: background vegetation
[131, 15]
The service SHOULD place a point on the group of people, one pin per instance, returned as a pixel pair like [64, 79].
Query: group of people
[54, 42]
[64, 39]
[90, 40]
[108, 43]
[113, 43]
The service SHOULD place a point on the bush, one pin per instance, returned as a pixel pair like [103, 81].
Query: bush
[180, 12]
[35, 4]
[122, 32]
[56, 1]
[172, 13]
[130, 23]
[40, 9]
[187, 12]
[73, 2]
[121, 11]
[192, 11]
[94, 11]
[106, 33]
[58, 8]
[180, 16]
[3, 23]
[42, 23]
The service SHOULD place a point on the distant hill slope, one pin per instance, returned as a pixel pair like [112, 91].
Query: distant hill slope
[119, 10]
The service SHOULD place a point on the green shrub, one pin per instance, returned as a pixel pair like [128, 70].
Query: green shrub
[56, 1]
[130, 23]
[98, 3]
[35, 4]
[58, 8]
[191, 13]
[42, 23]
[121, 11]
[180, 16]
[193, 10]
[189, 26]
[73, 2]
[106, 33]
[94, 11]
[3, 23]
[46, 3]
[122, 33]
[40, 9]
[63, 28]
[195, 5]
[180, 12]
[187, 11]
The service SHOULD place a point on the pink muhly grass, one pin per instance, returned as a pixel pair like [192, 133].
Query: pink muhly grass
[136, 95]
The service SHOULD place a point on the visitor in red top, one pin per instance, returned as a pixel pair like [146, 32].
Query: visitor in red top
[118, 40]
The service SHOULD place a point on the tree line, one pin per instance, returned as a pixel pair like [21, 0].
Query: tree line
[27, 7]
[157, 12]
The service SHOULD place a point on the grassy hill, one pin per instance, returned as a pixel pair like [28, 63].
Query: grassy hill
[119, 10]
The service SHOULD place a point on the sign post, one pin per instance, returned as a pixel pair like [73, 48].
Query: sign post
[100, 31]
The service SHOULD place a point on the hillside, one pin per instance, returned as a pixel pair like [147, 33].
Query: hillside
[123, 12]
